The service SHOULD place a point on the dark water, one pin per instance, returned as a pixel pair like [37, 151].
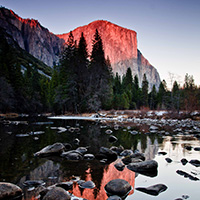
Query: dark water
[21, 138]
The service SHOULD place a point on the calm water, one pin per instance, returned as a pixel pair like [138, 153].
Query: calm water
[17, 163]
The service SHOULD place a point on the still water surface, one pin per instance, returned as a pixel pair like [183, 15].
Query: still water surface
[19, 140]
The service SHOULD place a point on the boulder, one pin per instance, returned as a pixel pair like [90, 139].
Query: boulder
[112, 139]
[153, 190]
[148, 168]
[89, 156]
[184, 161]
[108, 131]
[10, 191]
[119, 166]
[118, 150]
[33, 183]
[197, 148]
[65, 185]
[82, 150]
[133, 158]
[128, 159]
[87, 184]
[54, 149]
[194, 162]
[169, 160]
[72, 155]
[114, 197]
[118, 187]
[126, 152]
[67, 146]
[107, 153]
[76, 141]
[57, 193]
[186, 175]
[163, 153]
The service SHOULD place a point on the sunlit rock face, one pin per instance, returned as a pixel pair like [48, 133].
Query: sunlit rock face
[32, 37]
[120, 45]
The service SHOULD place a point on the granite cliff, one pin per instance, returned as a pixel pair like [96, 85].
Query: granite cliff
[32, 37]
[120, 44]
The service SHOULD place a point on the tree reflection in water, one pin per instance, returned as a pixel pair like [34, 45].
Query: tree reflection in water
[55, 169]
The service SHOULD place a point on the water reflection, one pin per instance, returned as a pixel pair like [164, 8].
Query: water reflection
[17, 163]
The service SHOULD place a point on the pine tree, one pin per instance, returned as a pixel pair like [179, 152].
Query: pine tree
[153, 98]
[162, 95]
[176, 96]
[82, 73]
[136, 92]
[145, 87]
[100, 80]
[67, 93]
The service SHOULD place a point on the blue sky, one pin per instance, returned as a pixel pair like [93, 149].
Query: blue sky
[168, 30]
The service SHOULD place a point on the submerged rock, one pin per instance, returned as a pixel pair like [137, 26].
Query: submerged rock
[153, 190]
[10, 191]
[57, 193]
[53, 149]
[118, 187]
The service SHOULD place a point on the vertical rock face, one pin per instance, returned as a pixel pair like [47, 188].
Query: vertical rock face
[31, 36]
[120, 45]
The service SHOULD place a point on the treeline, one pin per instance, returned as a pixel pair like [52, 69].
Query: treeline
[83, 83]
[21, 86]
[128, 94]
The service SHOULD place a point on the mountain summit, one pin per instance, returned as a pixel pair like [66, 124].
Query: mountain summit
[120, 44]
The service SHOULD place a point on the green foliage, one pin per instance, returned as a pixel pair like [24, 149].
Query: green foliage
[145, 87]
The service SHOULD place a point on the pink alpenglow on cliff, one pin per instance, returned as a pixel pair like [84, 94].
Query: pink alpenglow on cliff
[120, 45]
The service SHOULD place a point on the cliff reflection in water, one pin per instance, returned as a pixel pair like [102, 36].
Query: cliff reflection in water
[22, 165]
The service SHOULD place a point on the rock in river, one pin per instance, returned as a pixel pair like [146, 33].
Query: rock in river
[148, 168]
[119, 166]
[87, 184]
[57, 193]
[33, 183]
[65, 185]
[53, 149]
[194, 162]
[10, 191]
[153, 190]
[118, 187]
[114, 197]
[109, 154]
[72, 155]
